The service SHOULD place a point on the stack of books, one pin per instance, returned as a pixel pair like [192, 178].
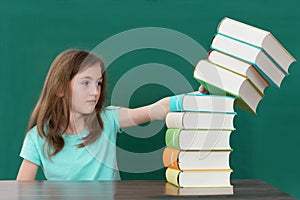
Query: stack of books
[198, 144]
[243, 61]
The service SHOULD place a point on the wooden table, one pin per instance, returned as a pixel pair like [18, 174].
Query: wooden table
[10, 190]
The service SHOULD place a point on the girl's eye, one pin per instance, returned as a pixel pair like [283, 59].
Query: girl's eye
[99, 83]
[85, 83]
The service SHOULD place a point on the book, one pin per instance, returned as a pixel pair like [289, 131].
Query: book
[173, 190]
[259, 38]
[200, 120]
[201, 102]
[183, 139]
[240, 67]
[251, 54]
[220, 81]
[196, 160]
[204, 178]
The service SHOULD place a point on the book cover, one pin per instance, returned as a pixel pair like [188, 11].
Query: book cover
[220, 81]
[196, 160]
[200, 120]
[202, 102]
[183, 139]
[259, 38]
[250, 54]
[200, 178]
[239, 67]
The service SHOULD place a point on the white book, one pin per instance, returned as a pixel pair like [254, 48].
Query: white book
[201, 102]
[200, 120]
[196, 160]
[183, 139]
[223, 82]
[240, 67]
[250, 54]
[258, 37]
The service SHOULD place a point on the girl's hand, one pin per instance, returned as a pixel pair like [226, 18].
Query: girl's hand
[202, 90]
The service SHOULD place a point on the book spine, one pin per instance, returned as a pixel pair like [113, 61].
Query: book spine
[172, 138]
[170, 158]
[175, 103]
[172, 176]
[174, 120]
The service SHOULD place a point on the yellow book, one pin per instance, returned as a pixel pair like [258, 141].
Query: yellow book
[199, 178]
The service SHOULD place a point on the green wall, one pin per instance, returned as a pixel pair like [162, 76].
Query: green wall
[32, 33]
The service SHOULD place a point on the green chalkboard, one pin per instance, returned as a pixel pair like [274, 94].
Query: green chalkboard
[32, 33]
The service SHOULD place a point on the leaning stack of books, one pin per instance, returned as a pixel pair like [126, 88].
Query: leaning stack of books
[243, 61]
[198, 144]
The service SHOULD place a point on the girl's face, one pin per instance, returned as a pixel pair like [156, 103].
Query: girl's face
[86, 90]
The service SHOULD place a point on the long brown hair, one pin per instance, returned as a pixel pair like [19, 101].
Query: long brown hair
[52, 111]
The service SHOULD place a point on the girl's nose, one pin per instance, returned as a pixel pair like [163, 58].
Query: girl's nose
[95, 90]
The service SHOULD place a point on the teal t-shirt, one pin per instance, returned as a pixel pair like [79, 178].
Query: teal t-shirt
[96, 161]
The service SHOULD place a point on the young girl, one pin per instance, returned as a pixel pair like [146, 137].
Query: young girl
[71, 135]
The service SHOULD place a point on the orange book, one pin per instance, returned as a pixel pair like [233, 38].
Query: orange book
[170, 158]
[196, 160]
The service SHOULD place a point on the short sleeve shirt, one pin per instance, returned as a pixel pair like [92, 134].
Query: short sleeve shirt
[96, 161]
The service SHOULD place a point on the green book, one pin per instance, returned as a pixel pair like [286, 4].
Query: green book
[219, 81]
[183, 139]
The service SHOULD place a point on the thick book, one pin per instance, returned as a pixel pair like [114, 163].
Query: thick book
[259, 38]
[240, 67]
[200, 120]
[196, 160]
[204, 178]
[251, 54]
[220, 81]
[201, 102]
[173, 190]
[183, 139]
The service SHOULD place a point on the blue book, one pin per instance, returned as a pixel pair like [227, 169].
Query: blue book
[202, 103]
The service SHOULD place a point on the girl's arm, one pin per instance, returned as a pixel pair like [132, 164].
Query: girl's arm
[27, 171]
[156, 111]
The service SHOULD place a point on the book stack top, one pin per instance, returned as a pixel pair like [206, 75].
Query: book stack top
[244, 60]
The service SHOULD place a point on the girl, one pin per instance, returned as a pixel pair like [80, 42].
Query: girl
[70, 134]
